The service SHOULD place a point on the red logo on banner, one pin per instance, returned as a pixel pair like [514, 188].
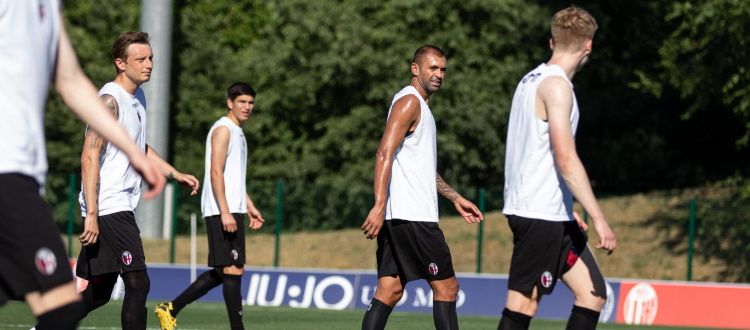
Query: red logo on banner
[641, 305]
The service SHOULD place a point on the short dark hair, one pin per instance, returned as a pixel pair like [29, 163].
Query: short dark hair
[427, 49]
[120, 48]
[239, 88]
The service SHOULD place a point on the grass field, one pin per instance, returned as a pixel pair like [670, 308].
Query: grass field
[211, 316]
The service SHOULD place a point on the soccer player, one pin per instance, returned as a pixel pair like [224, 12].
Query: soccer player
[33, 262]
[411, 245]
[111, 239]
[542, 176]
[224, 202]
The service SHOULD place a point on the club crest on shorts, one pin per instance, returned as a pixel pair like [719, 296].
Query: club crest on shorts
[235, 255]
[127, 258]
[433, 268]
[546, 279]
[45, 260]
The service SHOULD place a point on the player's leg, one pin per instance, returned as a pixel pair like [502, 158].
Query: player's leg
[389, 291]
[57, 308]
[232, 291]
[33, 262]
[519, 309]
[98, 291]
[390, 286]
[444, 294]
[535, 263]
[589, 289]
[134, 312]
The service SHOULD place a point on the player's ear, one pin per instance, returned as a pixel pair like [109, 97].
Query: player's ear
[552, 44]
[120, 64]
[229, 104]
[414, 69]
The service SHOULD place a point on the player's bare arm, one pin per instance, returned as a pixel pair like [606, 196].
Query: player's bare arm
[80, 95]
[167, 170]
[219, 149]
[555, 95]
[93, 146]
[467, 209]
[256, 219]
[404, 117]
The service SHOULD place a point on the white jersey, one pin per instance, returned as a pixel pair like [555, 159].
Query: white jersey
[235, 172]
[412, 189]
[29, 32]
[119, 182]
[534, 187]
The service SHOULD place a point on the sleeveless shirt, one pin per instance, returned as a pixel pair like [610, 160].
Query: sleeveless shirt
[235, 172]
[29, 32]
[534, 187]
[119, 182]
[412, 189]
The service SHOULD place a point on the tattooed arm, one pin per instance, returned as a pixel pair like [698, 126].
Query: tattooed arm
[93, 145]
[467, 209]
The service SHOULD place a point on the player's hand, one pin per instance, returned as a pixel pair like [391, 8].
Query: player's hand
[580, 221]
[468, 210]
[256, 219]
[187, 180]
[606, 236]
[373, 223]
[150, 172]
[90, 230]
[228, 223]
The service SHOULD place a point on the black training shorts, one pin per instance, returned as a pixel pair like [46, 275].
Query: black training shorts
[225, 248]
[32, 255]
[413, 250]
[542, 252]
[119, 248]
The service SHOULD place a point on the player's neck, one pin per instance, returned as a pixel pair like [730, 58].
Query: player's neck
[234, 119]
[422, 92]
[126, 84]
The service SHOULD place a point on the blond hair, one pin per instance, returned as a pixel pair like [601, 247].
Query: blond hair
[572, 26]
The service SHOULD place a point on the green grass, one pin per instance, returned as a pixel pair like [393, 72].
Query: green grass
[210, 316]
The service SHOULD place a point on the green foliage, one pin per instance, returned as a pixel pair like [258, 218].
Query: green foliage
[706, 57]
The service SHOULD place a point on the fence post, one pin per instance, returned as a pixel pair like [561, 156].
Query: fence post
[691, 240]
[481, 231]
[173, 236]
[71, 211]
[279, 208]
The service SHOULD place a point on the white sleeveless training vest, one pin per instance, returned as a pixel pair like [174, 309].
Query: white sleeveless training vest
[119, 182]
[29, 41]
[534, 187]
[412, 189]
[235, 172]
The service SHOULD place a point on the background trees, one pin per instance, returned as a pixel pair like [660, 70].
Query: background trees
[664, 99]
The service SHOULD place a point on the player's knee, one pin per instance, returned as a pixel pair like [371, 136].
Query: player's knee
[233, 270]
[137, 281]
[445, 290]
[591, 302]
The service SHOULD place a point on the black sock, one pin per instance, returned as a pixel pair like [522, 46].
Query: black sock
[514, 321]
[63, 318]
[582, 318]
[376, 315]
[98, 291]
[134, 312]
[444, 315]
[233, 299]
[205, 282]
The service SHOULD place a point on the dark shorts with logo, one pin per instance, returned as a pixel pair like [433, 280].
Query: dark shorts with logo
[32, 255]
[542, 252]
[413, 250]
[119, 248]
[225, 248]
